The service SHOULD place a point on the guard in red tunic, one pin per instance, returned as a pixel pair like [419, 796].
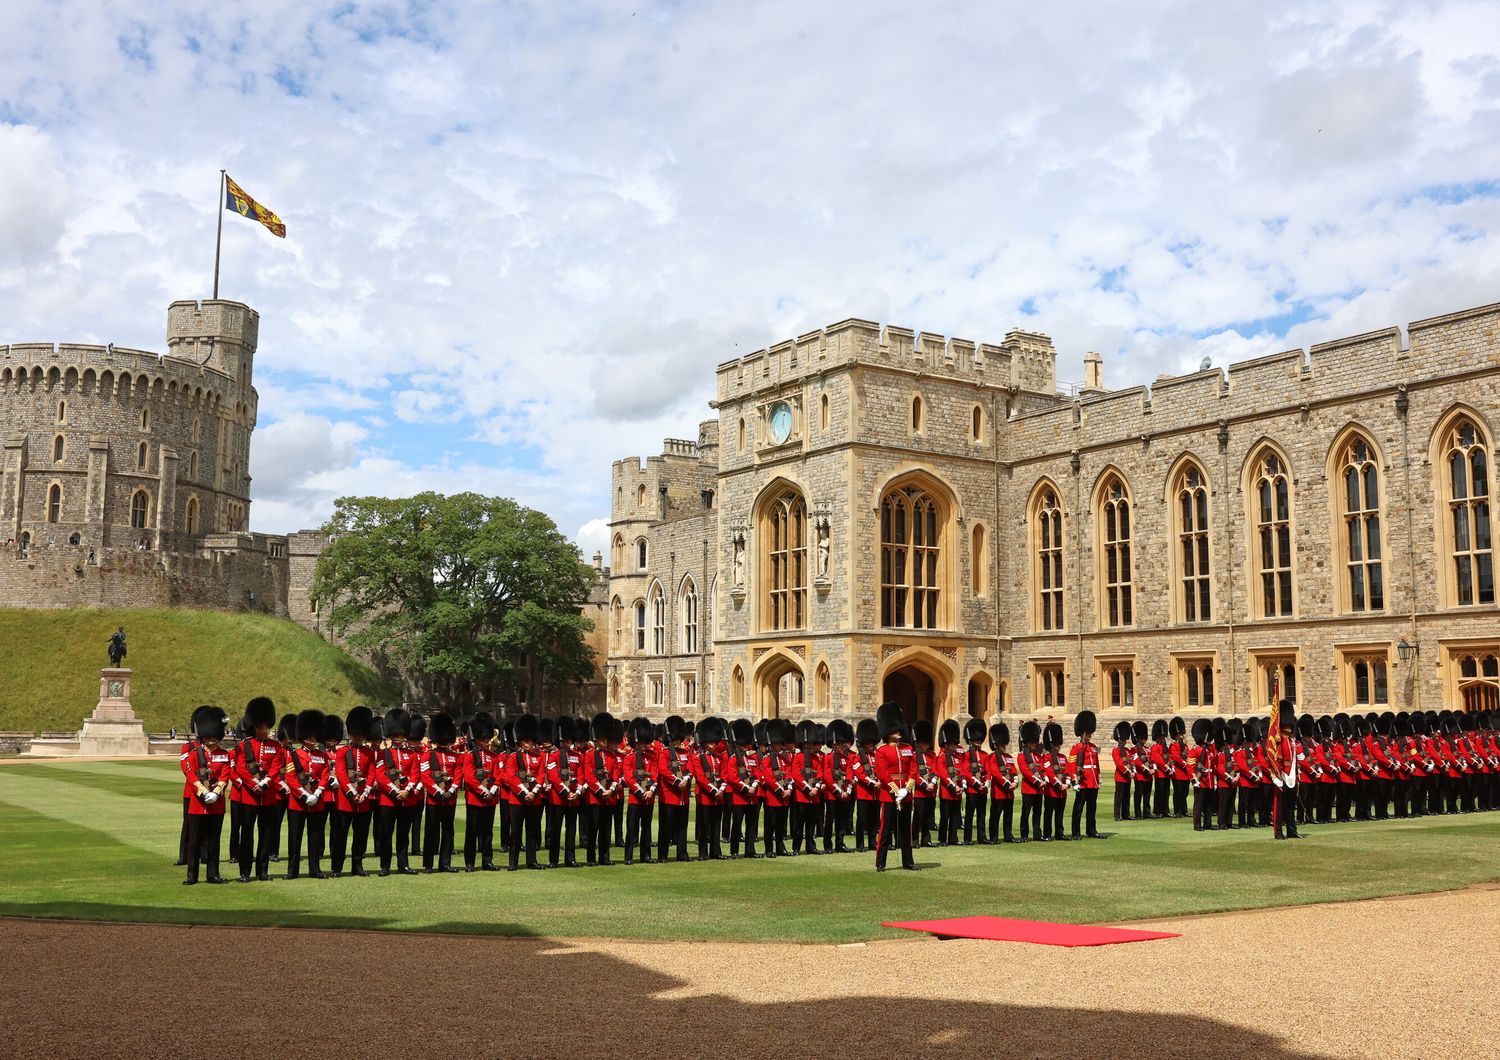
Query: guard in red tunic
[924, 791]
[481, 775]
[1226, 777]
[951, 783]
[286, 736]
[188, 783]
[742, 780]
[838, 809]
[778, 785]
[209, 773]
[1031, 764]
[1200, 760]
[1281, 759]
[440, 770]
[674, 778]
[562, 763]
[807, 788]
[358, 793]
[712, 791]
[1140, 771]
[895, 773]
[638, 767]
[601, 786]
[1123, 770]
[1055, 793]
[399, 793]
[976, 789]
[524, 774]
[1083, 767]
[1182, 776]
[1161, 770]
[258, 762]
[1002, 778]
[307, 773]
[866, 786]
[1246, 767]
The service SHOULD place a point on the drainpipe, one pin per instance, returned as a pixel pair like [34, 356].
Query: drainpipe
[1403, 405]
[1234, 684]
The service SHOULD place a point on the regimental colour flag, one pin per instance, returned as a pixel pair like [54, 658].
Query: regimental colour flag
[1273, 730]
[237, 201]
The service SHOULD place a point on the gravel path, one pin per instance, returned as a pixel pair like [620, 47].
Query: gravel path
[1392, 977]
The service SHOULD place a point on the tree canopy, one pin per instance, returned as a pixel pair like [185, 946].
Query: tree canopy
[474, 597]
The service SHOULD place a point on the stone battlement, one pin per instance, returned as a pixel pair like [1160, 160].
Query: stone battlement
[1023, 360]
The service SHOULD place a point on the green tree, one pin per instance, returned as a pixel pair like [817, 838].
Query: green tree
[469, 597]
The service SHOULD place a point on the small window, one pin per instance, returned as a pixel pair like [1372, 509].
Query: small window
[54, 504]
[823, 412]
[192, 515]
[687, 690]
[197, 425]
[916, 414]
[140, 456]
[976, 425]
[75, 539]
[640, 495]
[740, 436]
[192, 465]
[640, 625]
[641, 554]
[140, 510]
[654, 685]
[978, 561]
[62, 412]
[59, 449]
[146, 418]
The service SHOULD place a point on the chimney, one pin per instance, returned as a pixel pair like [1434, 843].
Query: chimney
[598, 560]
[1093, 371]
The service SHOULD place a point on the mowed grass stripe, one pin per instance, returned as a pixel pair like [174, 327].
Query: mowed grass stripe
[95, 840]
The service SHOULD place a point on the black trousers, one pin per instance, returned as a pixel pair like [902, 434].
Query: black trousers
[598, 837]
[1343, 801]
[866, 823]
[1179, 798]
[525, 833]
[276, 831]
[237, 824]
[672, 832]
[1001, 812]
[257, 838]
[974, 811]
[1305, 805]
[948, 814]
[836, 824]
[1122, 800]
[506, 812]
[1161, 796]
[1142, 798]
[744, 823]
[1283, 802]
[1031, 816]
[204, 830]
[416, 835]
[1380, 798]
[437, 836]
[562, 819]
[1246, 800]
[710, 829]
[1325, 802]
[806, 825]
[340, 826]
[479, 835]
[895, 827]
[313, 823]
[1086, 810]
[182, 838]
[618, 817]
[386, 818]
[638, 830]
[1205, 809]
[1226, 807]
[923, 813]
[1053, 808]
[775, 831]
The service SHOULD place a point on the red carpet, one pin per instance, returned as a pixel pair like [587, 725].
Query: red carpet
[1004, 929]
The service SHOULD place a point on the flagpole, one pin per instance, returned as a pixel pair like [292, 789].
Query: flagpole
[219, 238]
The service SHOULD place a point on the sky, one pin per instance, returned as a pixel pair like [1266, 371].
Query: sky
[520, 237]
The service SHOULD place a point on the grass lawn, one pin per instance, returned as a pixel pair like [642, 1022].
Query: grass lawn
[96, 841]
[50, 680]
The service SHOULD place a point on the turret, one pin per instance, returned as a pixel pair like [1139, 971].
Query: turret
[217, 334]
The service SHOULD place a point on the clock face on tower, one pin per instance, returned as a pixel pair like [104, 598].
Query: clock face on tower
[781, 422]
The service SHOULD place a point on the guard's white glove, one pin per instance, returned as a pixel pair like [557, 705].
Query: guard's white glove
[210, 797]
[1278, 782]
[312, 797]
[261, 783]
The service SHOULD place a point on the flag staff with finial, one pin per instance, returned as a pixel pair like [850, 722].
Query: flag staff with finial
[219, 238]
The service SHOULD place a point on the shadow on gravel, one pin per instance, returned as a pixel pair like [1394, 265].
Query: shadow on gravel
[455, 996]
[181, 916]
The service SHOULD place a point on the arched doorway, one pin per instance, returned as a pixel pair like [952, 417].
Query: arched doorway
[912, 689]
[780, 688]
[979, 695]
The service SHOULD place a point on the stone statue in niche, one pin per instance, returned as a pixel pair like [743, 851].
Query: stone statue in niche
[823, 548]
[739, 559]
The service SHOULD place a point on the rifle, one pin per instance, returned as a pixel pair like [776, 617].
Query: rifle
[304, 775]
[642, 792]
[441, 778]
[782, 787]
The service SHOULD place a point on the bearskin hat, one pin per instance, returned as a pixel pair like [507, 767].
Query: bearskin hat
[783, 732]
[546, 730]
[921, 731]
[309, 725]
[1031, 732]
[820, 735]
[1306, 727]
[416, 728]
[600, 726]
[974, 730]
[949, 734]
[526, 728]
[1387, 723]
[1122, 731]
[1176, 727]
[742, 731]
[889, 719]
[807, 732]
[1138, 731]
[1159, 730]
[710, 731]
[676, 728]
[1085, 723]
[286, 728]
[1250, 730]
[761, 731]
[567, 730]
[333, 729]
[1221, 732]
[208, 723]
[1202, 730]
[1052, 736]
[999, 736]
[360, 722]
[1234, 729]
[641, 731]
[441, 729]
[866, 731]
[260, 712]
[482, 727]
[199, 713]
[840, 731]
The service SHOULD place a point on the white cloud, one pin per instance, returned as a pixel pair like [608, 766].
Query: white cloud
[519, 241]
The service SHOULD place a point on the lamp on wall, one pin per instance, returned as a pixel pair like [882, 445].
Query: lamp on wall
[1407, 650]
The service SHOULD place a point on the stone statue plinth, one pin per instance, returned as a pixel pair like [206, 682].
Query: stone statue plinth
[113, 728]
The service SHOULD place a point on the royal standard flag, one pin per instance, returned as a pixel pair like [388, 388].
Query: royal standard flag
[235, 199]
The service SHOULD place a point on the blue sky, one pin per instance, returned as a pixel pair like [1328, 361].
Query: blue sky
[520, 237]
